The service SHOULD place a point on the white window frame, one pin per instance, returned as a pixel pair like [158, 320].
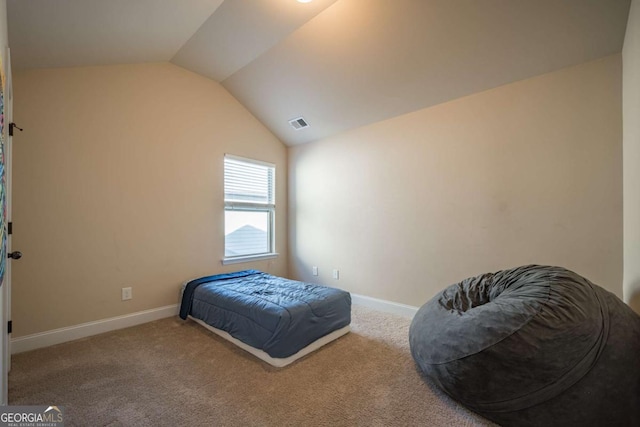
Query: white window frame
[269, 208]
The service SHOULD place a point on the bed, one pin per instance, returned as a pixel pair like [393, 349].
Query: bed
[277, 320]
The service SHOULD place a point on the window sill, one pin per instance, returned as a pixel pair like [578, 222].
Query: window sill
[238, 260]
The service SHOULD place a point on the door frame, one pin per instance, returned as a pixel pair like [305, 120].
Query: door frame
[5, 303]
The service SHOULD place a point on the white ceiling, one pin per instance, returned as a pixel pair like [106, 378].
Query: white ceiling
[339, 63]
[67, 33]
[242, 30]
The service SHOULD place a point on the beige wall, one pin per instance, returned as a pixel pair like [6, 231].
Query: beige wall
[525, 173]
[118, 180]
[631, 147]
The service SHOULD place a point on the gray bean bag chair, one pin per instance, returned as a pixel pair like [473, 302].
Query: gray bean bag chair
[533, 346]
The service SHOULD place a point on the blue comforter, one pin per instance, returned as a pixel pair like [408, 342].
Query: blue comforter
[277, 315]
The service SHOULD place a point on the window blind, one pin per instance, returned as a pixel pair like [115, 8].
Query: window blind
[248, 183]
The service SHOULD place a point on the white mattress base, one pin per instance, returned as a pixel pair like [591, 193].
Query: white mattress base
[277, 361]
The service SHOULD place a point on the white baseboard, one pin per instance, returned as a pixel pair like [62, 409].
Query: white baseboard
[57, 336]
[384, 305]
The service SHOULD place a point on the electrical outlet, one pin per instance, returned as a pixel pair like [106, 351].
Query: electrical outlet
[315, 270]
[126, 294]
[336, 274]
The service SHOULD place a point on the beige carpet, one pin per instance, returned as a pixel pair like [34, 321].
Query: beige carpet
[175, 373]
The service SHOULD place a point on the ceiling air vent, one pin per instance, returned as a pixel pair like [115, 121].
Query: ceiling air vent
[299, 123]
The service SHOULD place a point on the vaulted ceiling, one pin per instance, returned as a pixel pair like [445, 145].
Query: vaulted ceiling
[340, 64]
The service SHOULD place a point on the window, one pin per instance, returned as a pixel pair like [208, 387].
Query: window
[249, 209]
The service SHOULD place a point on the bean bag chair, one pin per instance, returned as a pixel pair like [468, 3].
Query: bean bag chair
[533, 346]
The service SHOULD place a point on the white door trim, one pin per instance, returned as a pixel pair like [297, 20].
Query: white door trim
[6, 283]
